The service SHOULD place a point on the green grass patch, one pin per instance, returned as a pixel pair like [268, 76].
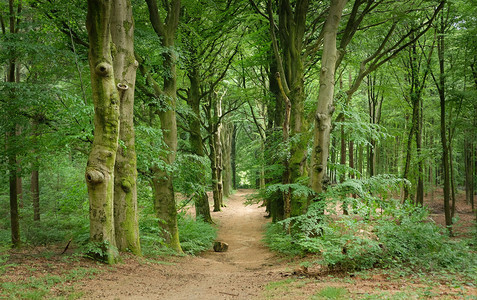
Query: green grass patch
[46, 286]
[331, 293]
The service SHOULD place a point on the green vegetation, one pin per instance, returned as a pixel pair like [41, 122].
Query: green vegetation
[377, 233]
[46, 286]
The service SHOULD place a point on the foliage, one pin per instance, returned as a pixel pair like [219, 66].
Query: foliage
[42, 287]
[195, 235]
[373, 235]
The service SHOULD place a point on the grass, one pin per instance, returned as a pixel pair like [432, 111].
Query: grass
[374, 284]
[331, 293]
[40, 286]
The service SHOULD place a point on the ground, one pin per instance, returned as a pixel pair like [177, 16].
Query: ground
[248, 270]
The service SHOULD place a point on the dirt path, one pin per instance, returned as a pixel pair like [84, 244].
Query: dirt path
[239, 273]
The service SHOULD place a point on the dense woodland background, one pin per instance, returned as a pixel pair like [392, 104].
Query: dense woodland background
[211, 114]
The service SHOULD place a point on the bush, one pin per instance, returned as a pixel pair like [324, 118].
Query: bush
[194, 235]
[379, 234]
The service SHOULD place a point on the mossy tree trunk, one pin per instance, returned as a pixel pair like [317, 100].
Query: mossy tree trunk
[164, 200]
[125, 171]
[100, 167]
[325, 107]
[202, 207]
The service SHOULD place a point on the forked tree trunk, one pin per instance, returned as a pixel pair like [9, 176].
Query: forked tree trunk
[125, 191]
[100, 167]
[325, 108]
[164, 199]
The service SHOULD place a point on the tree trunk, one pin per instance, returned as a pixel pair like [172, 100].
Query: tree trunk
[34, 179]
[325, 108]
[226, 151]
[218, 152]
[233, 155]
[445, 149]
[420, 168]
[100, 167]
[202, 207]
[452, 178]
[125, 170]
[469, 172]
[10, 147]
[164, 198]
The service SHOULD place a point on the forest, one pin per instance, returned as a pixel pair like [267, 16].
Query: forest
[333, 138]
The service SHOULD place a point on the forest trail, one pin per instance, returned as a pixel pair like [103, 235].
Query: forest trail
[239, 273]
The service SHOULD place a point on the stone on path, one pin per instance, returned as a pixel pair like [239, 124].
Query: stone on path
[220, 247]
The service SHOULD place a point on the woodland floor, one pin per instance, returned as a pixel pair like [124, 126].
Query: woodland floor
[248, 270]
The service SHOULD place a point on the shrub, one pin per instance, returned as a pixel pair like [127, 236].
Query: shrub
[379, 234]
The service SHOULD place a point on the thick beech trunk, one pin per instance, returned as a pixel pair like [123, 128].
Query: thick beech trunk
[100, 167]
[325, 108]
[125, 171]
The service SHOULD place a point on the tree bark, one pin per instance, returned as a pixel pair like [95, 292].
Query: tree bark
[325, 108]
[442, 97]
[34, 179]
[202, 207]
[164, 199]
[125, 190]
[469, 172]
[100, 167]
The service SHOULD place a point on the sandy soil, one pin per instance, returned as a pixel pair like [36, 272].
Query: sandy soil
[239, 273]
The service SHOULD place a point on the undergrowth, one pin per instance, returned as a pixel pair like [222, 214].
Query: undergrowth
[195, 236]
[379, 232]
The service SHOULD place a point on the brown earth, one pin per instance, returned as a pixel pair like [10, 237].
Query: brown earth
[239, 273]
[248, 270]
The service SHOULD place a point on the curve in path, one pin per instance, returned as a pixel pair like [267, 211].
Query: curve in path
[239, 273]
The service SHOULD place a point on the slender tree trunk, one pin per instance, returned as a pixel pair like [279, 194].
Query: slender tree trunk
[469, 172]
[35, 193]
[218, 152]
[164, 198]
[452, 177]
[10, 137]
[125, 190]
[420, 169]
[34, 179]
[444, 143]
[325, 108]
[202, 207]
[233, 155]
[100, 168]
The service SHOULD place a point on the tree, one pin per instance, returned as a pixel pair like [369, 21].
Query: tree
[125, 171]
[164, 198]
[325, 106]
[100, 168]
